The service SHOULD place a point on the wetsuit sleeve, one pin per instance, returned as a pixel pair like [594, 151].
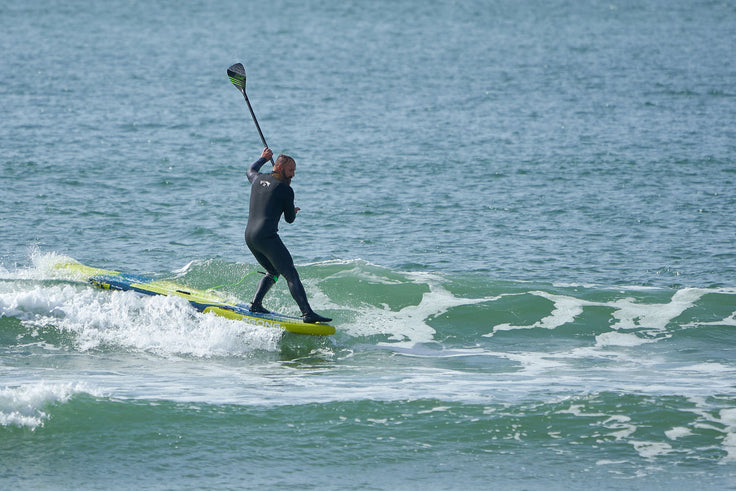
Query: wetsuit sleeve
[252, 171]
[289, 211]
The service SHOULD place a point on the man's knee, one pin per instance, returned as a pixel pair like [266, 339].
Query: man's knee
[289, 274]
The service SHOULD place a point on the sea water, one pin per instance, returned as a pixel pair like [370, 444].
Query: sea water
[519, 214]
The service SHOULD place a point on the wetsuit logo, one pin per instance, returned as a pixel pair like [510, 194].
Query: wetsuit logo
[265, 184]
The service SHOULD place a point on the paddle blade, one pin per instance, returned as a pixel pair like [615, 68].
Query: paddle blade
[236, 74]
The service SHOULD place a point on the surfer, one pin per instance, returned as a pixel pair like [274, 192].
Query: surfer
[270, 196]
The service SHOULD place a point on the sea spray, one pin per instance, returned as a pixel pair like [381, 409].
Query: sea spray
[27, 405]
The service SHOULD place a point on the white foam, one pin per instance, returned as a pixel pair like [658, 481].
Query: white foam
[647, 320]
[610, 462]
[577, 410]
[728, 418]
[533, 363]
[44, 267]
[564, 311]
[185, 269]
[36, 301]
[157, 324]
[710, 368]
[621, 425]
[649, 450]
[162, 325]
[362, 274]
[634, 315]
[620, 339]
[96, 318]
[678, 432]
[408, 326]
[722, 420]
[727, 321]
[438, 409]
[27, 405]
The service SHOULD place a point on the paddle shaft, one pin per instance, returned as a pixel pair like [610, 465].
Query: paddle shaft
[258, 127]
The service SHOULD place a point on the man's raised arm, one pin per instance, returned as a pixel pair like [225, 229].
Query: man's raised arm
[255, 167]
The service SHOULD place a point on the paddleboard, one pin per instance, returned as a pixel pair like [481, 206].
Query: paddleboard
[203, 301]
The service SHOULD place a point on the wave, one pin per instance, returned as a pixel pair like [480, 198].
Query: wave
[371, 305]
[615, 428]
[29, 405]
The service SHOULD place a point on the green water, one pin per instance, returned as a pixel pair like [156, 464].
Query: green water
[520, 216]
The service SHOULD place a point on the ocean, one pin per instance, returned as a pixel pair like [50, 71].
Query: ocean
[521, 216]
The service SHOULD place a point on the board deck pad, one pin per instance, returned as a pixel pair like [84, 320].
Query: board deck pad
[203, 301]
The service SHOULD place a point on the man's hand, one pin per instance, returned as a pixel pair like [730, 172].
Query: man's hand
[267, 153]
[296, 210]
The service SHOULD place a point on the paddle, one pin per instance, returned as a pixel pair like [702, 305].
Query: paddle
[236, 73]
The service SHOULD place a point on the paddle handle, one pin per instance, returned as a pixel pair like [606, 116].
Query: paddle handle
[258, 127]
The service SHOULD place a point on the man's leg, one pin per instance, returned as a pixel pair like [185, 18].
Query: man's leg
[279, 256]
[266, 282]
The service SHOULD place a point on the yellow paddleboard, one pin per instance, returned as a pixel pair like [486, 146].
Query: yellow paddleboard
[203, 301]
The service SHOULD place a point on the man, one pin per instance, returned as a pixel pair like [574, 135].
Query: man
[270, 196]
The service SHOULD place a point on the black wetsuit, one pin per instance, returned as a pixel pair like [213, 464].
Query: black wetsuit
[269, 199]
